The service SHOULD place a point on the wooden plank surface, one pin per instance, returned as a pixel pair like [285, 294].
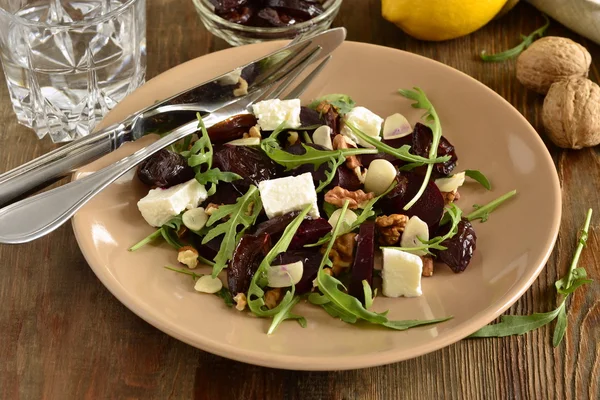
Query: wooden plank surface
[64, 336]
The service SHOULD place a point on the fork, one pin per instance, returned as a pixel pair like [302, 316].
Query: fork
[36, 216]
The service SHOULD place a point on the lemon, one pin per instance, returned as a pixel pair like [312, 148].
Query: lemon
[440, 19]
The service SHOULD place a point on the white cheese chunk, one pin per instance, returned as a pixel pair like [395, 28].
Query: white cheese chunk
[364, 120]
[272, 113]
[401, 273]
[283, 195]
[160, 205]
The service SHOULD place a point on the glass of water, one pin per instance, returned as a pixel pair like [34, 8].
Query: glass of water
[68, 62]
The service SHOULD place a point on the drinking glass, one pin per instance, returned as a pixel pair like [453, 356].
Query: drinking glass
[68, 62]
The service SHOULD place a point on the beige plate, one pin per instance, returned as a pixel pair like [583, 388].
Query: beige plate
[512, 246]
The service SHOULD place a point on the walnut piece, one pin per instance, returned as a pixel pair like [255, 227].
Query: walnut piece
[272, 298]
[242, 88]
[339, 142]
[240, 301]
[342, 252]
[292, 137]
[390, 228]
[427, 266]
[253, 132]
[211, 208]
[187, 255]
[338, 195]
[450, 197]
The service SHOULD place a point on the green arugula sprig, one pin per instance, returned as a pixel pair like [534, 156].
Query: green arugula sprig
[224, 293]
[255, 296]
[478, 176]
[330, 173]
[366, 213]
[453, 213]
[402, 153]
[340, 304]
[433, 122]
[168, 232]
[200, 158]
[483, 212]
[286, 313]
[243, 213]
[342, 102]
[515, 51]
[520, 324]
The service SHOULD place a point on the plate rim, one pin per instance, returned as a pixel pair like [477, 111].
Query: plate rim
[292, 362]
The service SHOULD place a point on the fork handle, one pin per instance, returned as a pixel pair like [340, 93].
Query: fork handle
[58, 163]
[39, 215]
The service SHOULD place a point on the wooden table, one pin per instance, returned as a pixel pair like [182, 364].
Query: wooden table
[64, 336]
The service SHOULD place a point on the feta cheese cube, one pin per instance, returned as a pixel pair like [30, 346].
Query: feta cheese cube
[365, 120]
[283, 195]
[272, 113]
[401, 273]
[160, 205]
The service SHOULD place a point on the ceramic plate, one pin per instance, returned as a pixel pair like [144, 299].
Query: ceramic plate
[512, 247]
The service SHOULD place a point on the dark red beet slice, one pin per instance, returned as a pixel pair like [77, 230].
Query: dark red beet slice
[460, 247]
[364, 261]
[429, 207]
[276, 225]
[165, 169]
[366, 159]
[311, 259]
[310, 231]
[345, 178]
[422, 138]
[309, 117]
[247, 256]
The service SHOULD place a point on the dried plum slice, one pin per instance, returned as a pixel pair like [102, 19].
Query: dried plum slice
[422, 138]
[232, 128]
[299, 9]
[460, 247]
[165, 169]
[251, 164]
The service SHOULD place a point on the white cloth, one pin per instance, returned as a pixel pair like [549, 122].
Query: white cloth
[581, 16]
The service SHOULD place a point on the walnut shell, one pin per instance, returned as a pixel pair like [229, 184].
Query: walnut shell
[571, 113]
[551, 59]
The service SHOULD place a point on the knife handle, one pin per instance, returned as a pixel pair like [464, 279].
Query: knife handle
[60, 162]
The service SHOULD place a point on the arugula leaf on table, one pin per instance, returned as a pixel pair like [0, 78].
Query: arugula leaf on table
[479, 177]
[342, 102]
[242, 213]
[515, 51]
[349, 308]
[402, 153]
[168, 232]
[483, 212]
[520, 324]
[433, 122]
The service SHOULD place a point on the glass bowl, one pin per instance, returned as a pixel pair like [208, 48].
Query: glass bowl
[238, 35]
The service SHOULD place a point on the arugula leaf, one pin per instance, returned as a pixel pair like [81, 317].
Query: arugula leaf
[412, 323]
[515, 51]
[330, 174]
[433, 122]
[286, 313]
[243, 213]
[213, 176]
[194, 275]
[479, 177]
[342, 102]
[520, 324]
[483, 212]
[329, 209]
[225, 294]
[255, 296]
[168, 232]
[369, 296]
[402, 153]
[311, 156]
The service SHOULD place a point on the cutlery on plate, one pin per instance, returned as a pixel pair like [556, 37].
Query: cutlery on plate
[39, 215]
[58, 163]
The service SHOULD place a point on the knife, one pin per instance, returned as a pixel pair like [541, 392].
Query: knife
[207, 97]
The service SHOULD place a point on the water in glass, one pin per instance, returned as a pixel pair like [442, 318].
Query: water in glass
[67, 63]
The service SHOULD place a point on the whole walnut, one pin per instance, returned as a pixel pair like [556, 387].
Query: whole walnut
[551, 59]
[571, 113]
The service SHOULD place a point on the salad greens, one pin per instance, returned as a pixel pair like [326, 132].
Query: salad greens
[244, 212]
[515, 51]
[433, 122]
[333, 164]
[343, 103]
[520, 324]
[483, 212]
[479, 177]
[168, 232]
[224, 293]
